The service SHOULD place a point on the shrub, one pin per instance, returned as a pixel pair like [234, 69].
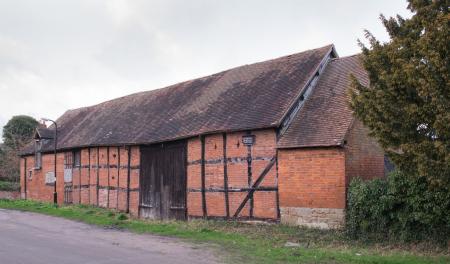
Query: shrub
[398, 208]
[122, 217]
[9, 186]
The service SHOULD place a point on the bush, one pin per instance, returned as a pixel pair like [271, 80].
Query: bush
[9, 186]
[122, 217]
[398, 208]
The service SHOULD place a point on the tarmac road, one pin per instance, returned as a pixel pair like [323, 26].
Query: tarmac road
[31, 238]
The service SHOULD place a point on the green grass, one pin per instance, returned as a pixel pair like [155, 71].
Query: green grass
[9, 186]
[250, 243]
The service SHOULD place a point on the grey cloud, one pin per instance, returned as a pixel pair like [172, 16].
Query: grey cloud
[57, 55]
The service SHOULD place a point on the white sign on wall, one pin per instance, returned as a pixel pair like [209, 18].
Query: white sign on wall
[248, 140]
[67, 175]
[50, 177]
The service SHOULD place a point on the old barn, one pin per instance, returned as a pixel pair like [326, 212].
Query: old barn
[273, 140]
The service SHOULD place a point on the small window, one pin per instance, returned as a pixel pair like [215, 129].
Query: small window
[68, 161]
[37, 154]
[77, 158]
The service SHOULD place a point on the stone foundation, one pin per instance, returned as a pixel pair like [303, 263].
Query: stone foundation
[324, 218]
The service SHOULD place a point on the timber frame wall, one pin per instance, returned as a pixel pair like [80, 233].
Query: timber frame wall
[226, 179]
[107, 177]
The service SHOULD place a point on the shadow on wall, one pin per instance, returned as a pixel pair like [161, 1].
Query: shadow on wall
[388, 165]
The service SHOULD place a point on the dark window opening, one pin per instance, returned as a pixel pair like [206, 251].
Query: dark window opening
[77, 158]
[68, 161]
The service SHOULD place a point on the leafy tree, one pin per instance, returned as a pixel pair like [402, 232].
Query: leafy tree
[2, 159]
[407, 105]
[16, 133]
[9, 165]
[19, 131]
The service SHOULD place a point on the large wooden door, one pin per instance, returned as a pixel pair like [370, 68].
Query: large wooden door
[163, 181]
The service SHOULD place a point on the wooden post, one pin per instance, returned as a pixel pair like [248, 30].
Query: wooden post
[255, 185]
[98, 174]
[118, 178]
[89, 176]
[205, 212]
[249, 174]
[276, 182]
[107, 166]
[79, 180]
[25, 177]
[225, 175]
[128, 178]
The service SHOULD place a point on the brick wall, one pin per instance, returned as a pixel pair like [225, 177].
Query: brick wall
[364, 157]
[313, 181]
[22, 176]
[264, 202]
[312, 186]
[103, 170]
[312, 178]
[9, 195]
[32, 181]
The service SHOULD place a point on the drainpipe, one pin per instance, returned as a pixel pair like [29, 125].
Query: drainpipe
[55, 142]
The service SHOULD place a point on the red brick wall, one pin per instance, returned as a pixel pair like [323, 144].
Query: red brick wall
[9, 195]
[313, 178]
[364, 157]
[36, 189]
[23, 177]
[237, 170]
[111, 181]
[308, 178]
[313, 181]
[93, 172]
[318, 177]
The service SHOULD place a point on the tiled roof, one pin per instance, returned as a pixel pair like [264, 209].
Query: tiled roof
[44, 133]
[325, 116]
[248, 97]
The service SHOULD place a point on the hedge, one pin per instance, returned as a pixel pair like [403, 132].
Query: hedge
[9, 186]
[400, 207]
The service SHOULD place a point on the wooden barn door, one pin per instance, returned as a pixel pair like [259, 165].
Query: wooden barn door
[163, 181]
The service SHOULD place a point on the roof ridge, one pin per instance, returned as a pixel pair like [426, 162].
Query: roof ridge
[251, 96]
[202, 77]
[290, 112]
[351, 56]
[326, 117]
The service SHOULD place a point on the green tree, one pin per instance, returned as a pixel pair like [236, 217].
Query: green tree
[19, 131]
[16, 134]
[407, 105]
[2, 159]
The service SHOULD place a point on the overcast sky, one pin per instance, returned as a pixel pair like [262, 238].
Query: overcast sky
[64, 54]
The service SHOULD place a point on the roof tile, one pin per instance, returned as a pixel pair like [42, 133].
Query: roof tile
[326, 116]
[247, 97]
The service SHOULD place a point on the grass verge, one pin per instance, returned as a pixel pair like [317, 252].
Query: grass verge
[249, 243]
